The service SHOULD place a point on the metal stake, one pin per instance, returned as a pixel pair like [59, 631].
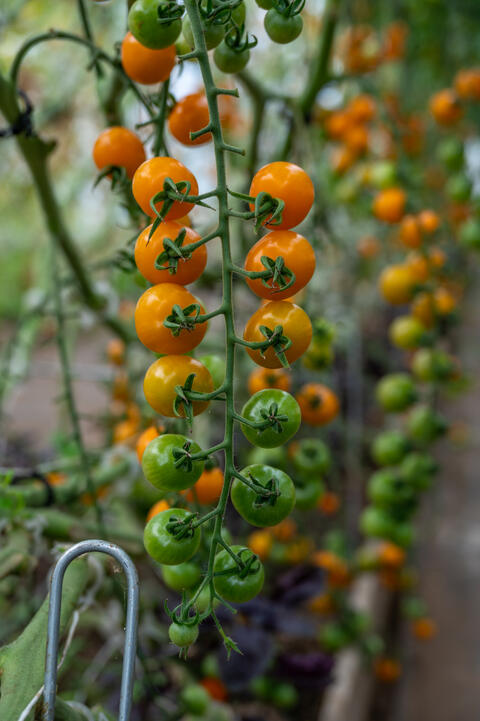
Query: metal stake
[129, 652]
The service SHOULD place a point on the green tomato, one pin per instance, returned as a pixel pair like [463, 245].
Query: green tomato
[195, 698]
[403, 535]
[307, 493]
[282, 28]
[236, 584]
[262, 687]
[430, 364]
[458, 188]
[263, 510]
[470, 234]
[215, 365]
[389, 448]
[389, 489]
[158, 463]
[418, 469]
[202, 602]
[145, 26]
[333, 637]
[276, 406]
[284, 695]
[383, 174]
[183, 635]
[213, 33]
[396, 391]
[229, 60]
[450, 153]
[268, 456]
[210, 666]
[406, 332]
[183, 576]
[425, 426]
[312, 456]
[163, 546]
[265, 4]
[376, 523]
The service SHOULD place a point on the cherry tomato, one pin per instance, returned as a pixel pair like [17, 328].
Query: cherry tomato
[272, 404]
[195, 698]
[458, 188]
[396, 391]
[118, 146]
[172, 370]
[311, 455]
[149, 179]
[181, 577]
[389, 448]
[298, 255]
[144, 65]
[215, 687]
[396, 284]
[375, 522]
[261, 510]
[282, 28]
[208, 488]
[262, 378]
[424, 425]
[159, 461]
[144, 439]
[147, 250]
[319, 404]
[432, 364]
[389, 205]
[289, 183]
[284, 695]
[183, 635]
[388, 489]
[215, 365]
[308, 493]
[153, 309]
[450, 153]
[144, 23]
[419, 469]
[238, 585]
[163, 546]
[158, 507]
[296, 327]
[406, 332]
[230, 60]
[189, 115]
[470, 234]
[213, 33]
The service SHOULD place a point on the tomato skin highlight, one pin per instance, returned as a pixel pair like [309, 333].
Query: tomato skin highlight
[232, 587]
[148, 249]
[297, 253]
[153, 308]
[119, 146]
[146, 66]
[158, 463]
[167, 372]
[189, 115]
[162, 546]
[149, 179]
[261, 403]
[289, 183]
[245, 499]
[296, 326]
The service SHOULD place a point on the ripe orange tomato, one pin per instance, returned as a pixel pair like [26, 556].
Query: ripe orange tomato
[144, 439]
[418, 266]
[147, 251]
[260, 542]
[289, 183]
[296, 326]
[328, 503]
[428, 221]
[389, 205]
[337, 124]
[362, 108]
[158, 507]
[116, 351]
[189, 115]
[144, 65]
[445, 107]
[319, 404]
[215, 687]
[208, 488]
[368, 246]
[118, 146]
[357, 139]
[342, 159]
[467, 83]
[172, 370]
[153, 308]
[297, 253]
[387, 670]
[424, 628]
[396, 284]
[410, 232]
[124, 431]
[149, 179]
[262, 378]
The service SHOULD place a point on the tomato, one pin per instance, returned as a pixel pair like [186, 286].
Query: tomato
[262, 378]
[389, 448]
[308, 492]
[260, 542]
[389, 205]
[183, 635]
[236, 584]
[319, 404]
[410, 232]
[144, 65]
[147, 250]
[144, 439]
[362, 108]
[281, 28]
[296, 327]
[189, 115]
[311, 455]
[289, 183]
[446, 107]
[213, 33]
[208, 488]
[424, 425]
[215, 688]
[172, 370]
[389, 489]
[159, 460]
[396, 391]
[181, 577]
[195, 698]
[424, 628]
[271, 404]
[215, 365]
[406, 332]
[470, 234]
[431, 364]
[428, 220]
[396, 284]
[298, 256]
[329, 503]
[333, 637]
[261, 510]
[450, 153]
[149, 179]
[154, 307]
[419, 469]
[163, 546]
[382, 174]
[284, 695]
[230, 60]
[144, 23]
[158, 507]
[377, 523]
[458, 188]
[120, 147]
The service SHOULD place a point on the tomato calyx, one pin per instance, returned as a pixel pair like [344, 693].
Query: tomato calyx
[182, 527]
[267, 209]
[219, 13]
[168, 12]
[183, 458]
[118, 175]
[179, 192]
[172, 253]
[275, 271]
[266, 493]
[275, 339]
[183, 318]
[287, 8]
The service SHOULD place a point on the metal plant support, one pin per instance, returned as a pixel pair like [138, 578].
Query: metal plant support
[54, 623]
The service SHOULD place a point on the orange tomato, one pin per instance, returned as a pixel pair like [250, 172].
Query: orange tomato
[260, 542]
[357, 139]
[144, 65]
[424, 628]
[396, 284]
[147, 251]
[319, 404]
[445, 107]
[157, 507]
[285, 530]
[154, 307]
[124, 431]
[410, 232]
[189, 115]
[387, 670]
[297, 253]
[149, 179]
[337, 124]
[368, 246]
[144, 439]
[428, 221]
[289, 183]
[215, 687]
[116, 351]
[391, 555]
[296, 327]
[172, 370]
[120, 389]
[394, 41]
[208, 488]
[467, 84]
[389, 205]
[262, 378]
[418, 266]
[437, 258]
[55, 478]
[118, 146]
[362, 108]
[342, 159]
[328, 503]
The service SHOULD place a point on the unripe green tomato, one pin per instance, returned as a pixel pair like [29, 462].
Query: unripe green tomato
[271, 403]
[265, 4]
[262, 687]
[195, 698]
[376, 523]
[282, 28]
[425, 425]
[311, 455]
[333, 637]
[387, 488]
[458, 188]
[210, 666]
[395, 392]
[228, 60]
[470, 234]
[214, 34]
[202, 602]
[158, 463]
[145, 26]
[284, 695]
[276, 457]
[266, 511]
[403, 534]
[230, 581]
[389, 447]
[215, 365]
[346, 190]
[419, 469]
[307, 493]
[162, 545]
[319, 355]
[406, 332]
[383, 174]
[183, 576]
[181, 635]
[450, 153]
[430, 364]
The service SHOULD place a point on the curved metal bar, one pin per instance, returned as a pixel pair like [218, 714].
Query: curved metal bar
[54, 624]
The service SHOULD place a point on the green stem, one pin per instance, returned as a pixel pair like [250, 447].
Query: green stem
[87, 29]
